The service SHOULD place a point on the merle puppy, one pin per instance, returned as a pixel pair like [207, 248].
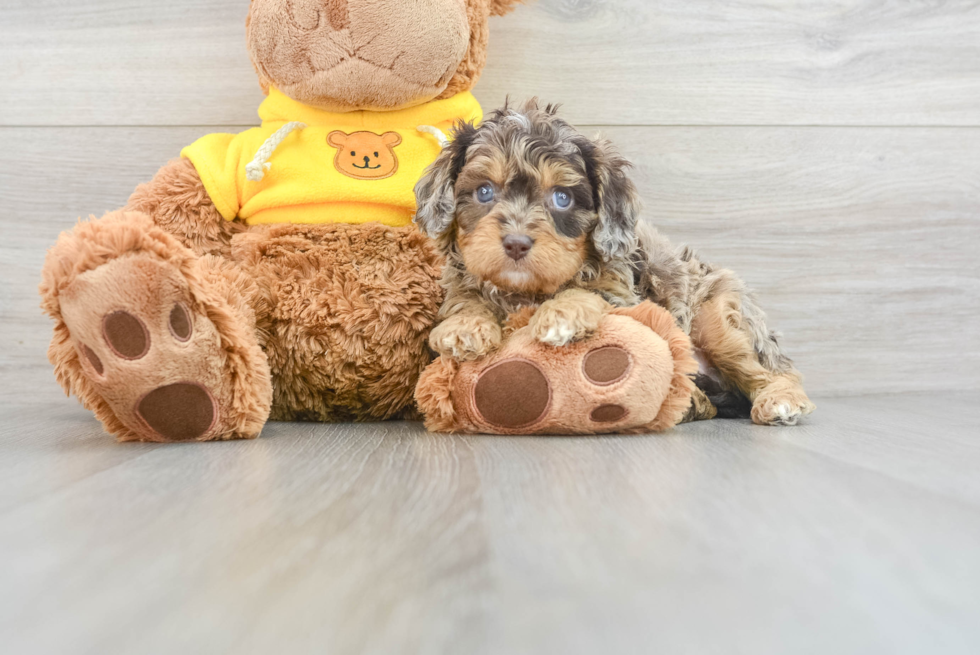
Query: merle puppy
[529, 212]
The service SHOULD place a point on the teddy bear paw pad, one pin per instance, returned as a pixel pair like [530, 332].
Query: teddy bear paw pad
[608, 414]
[607, 366]
[513, 394]
[181, 324]
[179, 412]
[126, 335]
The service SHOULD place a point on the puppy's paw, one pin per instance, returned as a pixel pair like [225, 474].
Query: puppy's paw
[781, 404]
[701, 408]
[560, 322]
[465, 338]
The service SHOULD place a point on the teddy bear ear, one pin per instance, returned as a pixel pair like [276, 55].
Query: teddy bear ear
[503, 7]
[337, 138]
[391, 139]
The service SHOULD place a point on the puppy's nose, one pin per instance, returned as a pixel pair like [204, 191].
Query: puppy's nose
[517, 246]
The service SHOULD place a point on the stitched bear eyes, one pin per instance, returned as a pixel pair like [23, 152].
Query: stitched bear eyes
[485, 194]
[353, 153]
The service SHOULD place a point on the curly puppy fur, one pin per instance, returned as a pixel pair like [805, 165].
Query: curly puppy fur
[529, 212]
[528, 176]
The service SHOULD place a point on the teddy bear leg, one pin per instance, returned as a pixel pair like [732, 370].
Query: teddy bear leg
[158, 342]
[176, 200]
[353, 308]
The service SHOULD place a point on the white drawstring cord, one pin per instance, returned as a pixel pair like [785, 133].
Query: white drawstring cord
[436, 132]
[255, 171]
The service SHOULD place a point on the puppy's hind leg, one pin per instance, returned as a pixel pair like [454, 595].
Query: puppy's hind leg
[730, 329]
[701, 409]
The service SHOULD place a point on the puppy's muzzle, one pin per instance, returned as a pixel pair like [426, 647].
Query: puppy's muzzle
[517, 246]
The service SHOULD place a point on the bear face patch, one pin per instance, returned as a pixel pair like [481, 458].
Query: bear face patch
[365, 155]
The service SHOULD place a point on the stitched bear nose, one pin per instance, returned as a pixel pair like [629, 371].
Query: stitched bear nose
[517, 246]
[367, 160]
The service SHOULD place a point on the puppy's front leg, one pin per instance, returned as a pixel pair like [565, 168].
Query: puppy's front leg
[571, 315]
[469, 332]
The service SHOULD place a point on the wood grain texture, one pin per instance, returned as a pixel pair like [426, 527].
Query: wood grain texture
[616, 62]
[857, 533]
[860, 243]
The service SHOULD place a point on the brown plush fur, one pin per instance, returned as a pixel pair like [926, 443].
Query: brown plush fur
[217, 292]
[324, 322]
[498, 182]
[653, 394]
[345, 342]
[177, 202]
[679, 397]
[468, 73]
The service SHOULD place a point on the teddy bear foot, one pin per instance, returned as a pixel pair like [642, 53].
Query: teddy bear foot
[141, 346]
[632, 375]
[517, 393]
[150, 351]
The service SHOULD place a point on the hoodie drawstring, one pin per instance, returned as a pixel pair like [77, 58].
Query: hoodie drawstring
[255, 171]
[436, 132]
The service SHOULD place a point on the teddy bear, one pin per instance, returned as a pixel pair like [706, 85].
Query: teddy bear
[634, 374]
[275, 274]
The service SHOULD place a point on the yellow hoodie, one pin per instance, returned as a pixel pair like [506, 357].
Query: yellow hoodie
[354, 167]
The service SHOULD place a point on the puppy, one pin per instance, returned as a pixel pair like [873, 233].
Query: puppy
[530, 213]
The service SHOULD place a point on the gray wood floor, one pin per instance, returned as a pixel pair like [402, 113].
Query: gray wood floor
[829, 151]
[856, 533]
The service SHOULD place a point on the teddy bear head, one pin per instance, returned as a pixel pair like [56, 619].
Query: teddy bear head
[347, 55]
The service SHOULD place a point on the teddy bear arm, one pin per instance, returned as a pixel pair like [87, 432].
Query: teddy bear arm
[176, 200]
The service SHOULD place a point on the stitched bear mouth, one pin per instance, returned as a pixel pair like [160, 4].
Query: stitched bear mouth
[367, 167]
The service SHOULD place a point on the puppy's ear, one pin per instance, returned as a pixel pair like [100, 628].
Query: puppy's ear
[435, 193]
[616, 199]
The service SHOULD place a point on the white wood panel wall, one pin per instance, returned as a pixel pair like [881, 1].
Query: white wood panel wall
[827, 151]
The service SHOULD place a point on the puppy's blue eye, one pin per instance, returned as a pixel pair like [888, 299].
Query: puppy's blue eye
[485, 193]
[562, 199]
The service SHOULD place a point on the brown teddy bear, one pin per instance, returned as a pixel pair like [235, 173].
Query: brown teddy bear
[276, 273]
